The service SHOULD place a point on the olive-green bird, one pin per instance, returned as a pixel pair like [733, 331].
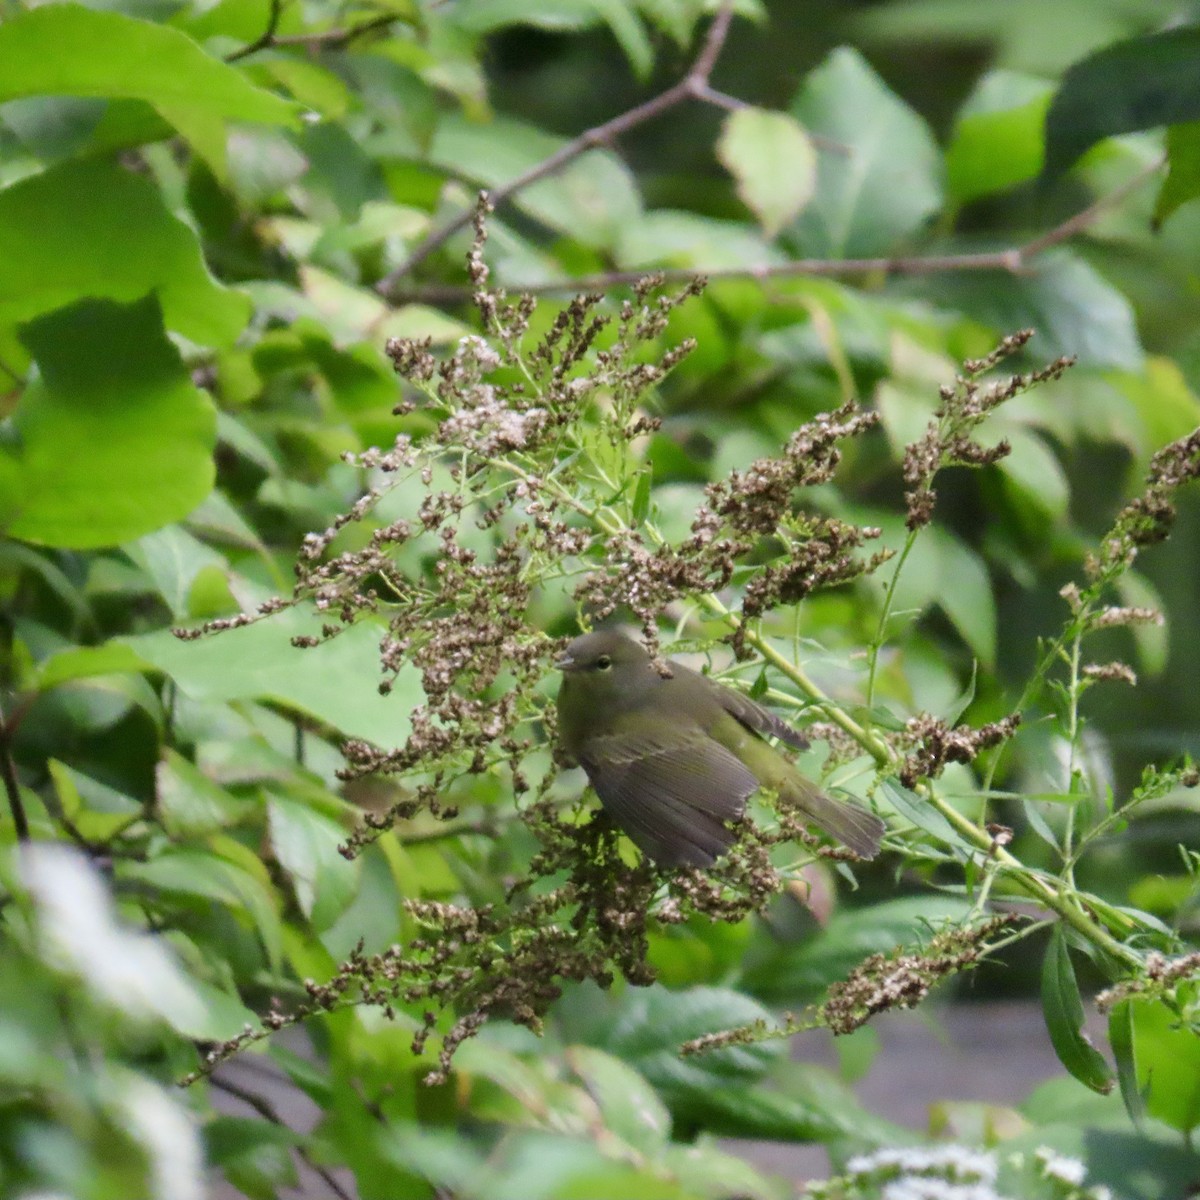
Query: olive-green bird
[673, 760]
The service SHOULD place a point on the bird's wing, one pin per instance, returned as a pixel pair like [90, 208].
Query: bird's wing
[756, 718]
[671, 791]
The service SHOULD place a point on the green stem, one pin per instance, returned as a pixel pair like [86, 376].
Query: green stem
[885, 615]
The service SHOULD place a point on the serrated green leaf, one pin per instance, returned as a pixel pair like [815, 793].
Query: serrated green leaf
[884, 181]
[1063, 1010]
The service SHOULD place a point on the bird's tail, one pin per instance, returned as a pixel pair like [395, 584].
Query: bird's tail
[854, 826]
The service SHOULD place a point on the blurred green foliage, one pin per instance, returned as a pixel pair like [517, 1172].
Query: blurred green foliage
[197, 203]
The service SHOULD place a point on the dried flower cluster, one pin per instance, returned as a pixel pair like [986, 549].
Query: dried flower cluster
[965, 405]
[935, 744]
[902, 980]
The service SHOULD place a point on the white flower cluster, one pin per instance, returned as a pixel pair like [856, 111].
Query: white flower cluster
[952, 1172]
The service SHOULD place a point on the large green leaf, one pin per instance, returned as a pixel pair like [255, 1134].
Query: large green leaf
[997, 141]
[335, 681]
[1063, 1010]
[1167, 1064]
[1183, 179]
[70, 50]
[1136, 84]
[113, 439]
[1074, 309]
[653, 1023]
[91, 229]
[882, 181]
[306, 843]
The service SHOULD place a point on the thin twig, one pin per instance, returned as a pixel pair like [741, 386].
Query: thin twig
[264, 39]
[267, 1110]
[8, 769]
[336, 38]
[1015, 260]
[693, 86]
[327, 38]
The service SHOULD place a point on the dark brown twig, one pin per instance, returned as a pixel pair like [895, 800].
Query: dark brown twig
[8, 769]
[693, 86]
[264, 39]
[269, 1112]
[328, 38]
[1013, 260]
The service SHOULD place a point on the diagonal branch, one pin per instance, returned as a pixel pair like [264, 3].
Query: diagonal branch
[1013, 260]
[693, 86]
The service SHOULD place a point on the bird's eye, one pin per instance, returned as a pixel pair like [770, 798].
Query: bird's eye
[603, 663]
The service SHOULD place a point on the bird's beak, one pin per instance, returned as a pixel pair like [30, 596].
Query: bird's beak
[564, 662]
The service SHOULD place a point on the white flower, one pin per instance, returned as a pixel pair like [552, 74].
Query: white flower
[126, 970]
[1059, 1167]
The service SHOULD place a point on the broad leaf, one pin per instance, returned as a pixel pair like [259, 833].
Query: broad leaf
[881, 182]
[98, 53]
[114, 439]
[1063, 1009]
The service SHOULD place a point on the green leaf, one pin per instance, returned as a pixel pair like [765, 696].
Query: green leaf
[883, 181]
[1183, 175]
[1120, 1038]
[1063, 1010]
[1136, 84]
[172, 558]
[997, 142]
[772, 161]
[705, 1170]
[201, 875]
[121, 244]
[254, 1155]
[114, 439]
[964, 593]
[83, 662]
[190, 803]
[641, 498]
[334, 681]
[924, 816]
[801, 1103]
[306, 844]
[1168, 1064]
[99, 53]
[653, 1023]
[1074, 309]
[630, 1106]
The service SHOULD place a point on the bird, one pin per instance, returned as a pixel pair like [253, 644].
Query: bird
[674, 760]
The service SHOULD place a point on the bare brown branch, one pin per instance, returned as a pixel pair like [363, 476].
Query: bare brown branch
[693, 86]
[1013, 260]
